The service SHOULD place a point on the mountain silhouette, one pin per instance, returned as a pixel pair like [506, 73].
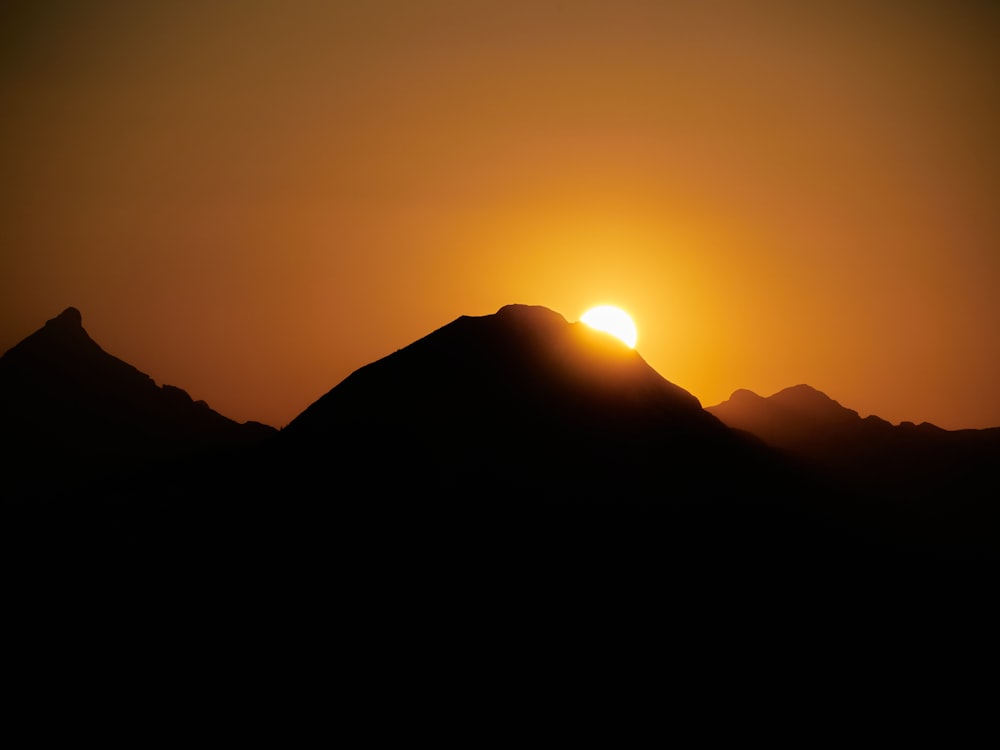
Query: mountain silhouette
[498, 497]
[807, 423]
[516, 405]
[511, 441]
[74, 415]
[503, 475]
[944, 482]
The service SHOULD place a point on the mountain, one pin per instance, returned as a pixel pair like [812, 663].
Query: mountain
[809, 424]
[74, 417]
[940, 482]
[799, 419]
[510, 495]
[505, 483]
[516, 405]
[513, 440]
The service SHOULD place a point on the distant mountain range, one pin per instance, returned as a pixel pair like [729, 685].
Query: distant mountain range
[910, 464]
[516, 433]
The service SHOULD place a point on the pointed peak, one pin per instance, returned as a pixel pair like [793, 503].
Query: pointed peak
[68, 318]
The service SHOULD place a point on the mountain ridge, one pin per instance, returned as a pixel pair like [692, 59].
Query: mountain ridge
[508, 392]
[544, 335]
[498, 423]
[918, 469]
[73, 413]
[808, 404]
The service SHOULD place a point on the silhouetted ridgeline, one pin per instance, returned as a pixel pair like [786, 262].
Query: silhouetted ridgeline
[74, 417]
[525, 435]
[936, 484]
[101, 464]
[520, 406]
[505, 442]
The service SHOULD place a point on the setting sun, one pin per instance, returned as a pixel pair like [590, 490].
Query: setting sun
[612, 320]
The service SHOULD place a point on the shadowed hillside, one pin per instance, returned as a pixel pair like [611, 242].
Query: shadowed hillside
[508, 442]
[519, 436]
[942, 483]
[520, 405]
[75, 417]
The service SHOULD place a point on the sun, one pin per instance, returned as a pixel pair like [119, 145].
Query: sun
[612, 320]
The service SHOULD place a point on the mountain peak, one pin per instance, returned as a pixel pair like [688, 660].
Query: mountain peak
[743, 395]
[61, 339]
[801, 403]
[530, 317]
[504, 391]
[798, 419]
[68, 318]
[529, 312]
[519, 404]
[803, 394]
[73, 412]
[810, 402]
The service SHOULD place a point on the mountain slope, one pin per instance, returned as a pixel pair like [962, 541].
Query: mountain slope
[520, 442]
[516, 404]
[72, 414]
[801, 419]
[807, 423]
[513, 449]
[943, 482]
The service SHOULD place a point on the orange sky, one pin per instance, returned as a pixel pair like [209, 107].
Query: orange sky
[253, 200]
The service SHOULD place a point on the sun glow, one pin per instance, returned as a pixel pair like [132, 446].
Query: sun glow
[612, 320]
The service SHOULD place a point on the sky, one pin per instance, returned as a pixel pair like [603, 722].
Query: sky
[252, 199]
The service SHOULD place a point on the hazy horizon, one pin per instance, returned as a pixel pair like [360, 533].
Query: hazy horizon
[251, 201]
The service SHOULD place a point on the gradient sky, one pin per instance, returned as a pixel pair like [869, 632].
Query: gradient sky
[250, 200]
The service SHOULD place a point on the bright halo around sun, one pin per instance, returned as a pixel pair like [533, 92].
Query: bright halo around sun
[612, 320]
